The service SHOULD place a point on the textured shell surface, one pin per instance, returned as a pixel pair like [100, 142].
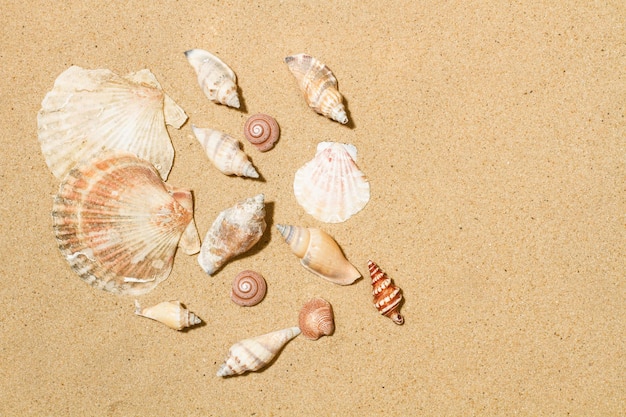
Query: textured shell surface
[387, 296]
[173, 314]
[225, 152]
[190, 240]
[248, 289]
[319, 86]
[217, 80]
[234, 231]
[255, 353]
[331, 187]
[116, 223]
[90, 110]
[262, 131]
[316, 319]
[319, 253]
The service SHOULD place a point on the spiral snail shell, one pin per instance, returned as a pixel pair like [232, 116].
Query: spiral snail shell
[262, 131]
[316, 319]
[171, 313]
[387, 296]
[249, 288]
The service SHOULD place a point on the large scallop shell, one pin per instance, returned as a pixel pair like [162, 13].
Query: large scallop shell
[316, 319]
[91, 110]
[173, 314]
[116, 223]
[216, 79]
[225, 152]
[331, 187]
[319, 86]
[387, 296]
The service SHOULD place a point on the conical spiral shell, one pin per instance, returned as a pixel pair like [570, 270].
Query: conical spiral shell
[225, 152]
[319, 86]
[319, 253]
[262, 131]
[235, 230]
[316, 319]
[256, 353]
[217, 80]
[171, 313]
[248, 289]
[387, 296]
[116, 224]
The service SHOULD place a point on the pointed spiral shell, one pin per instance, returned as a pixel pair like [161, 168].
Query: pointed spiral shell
[262, 131]
[387, 296]
[316, 319]
[249, 288]
[173, 314]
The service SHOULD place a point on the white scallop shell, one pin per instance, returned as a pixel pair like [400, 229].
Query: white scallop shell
[91, 110]
[225, 152]
[216, 79]
[331, 187]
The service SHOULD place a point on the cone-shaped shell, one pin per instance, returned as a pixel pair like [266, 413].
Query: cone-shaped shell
[387, 296]
[319, 86]
[171, 313]
[225, 152]
[331, 187]
[116, 223]
[91, 110]
[217, 80]
[256, 353]
[235, 230]
[319, 253]
[316, 319]
[190, 240]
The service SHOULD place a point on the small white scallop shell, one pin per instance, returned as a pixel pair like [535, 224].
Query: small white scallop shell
[216, 79]
[225, 152]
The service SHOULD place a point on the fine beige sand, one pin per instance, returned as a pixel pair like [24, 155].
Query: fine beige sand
[493, 137]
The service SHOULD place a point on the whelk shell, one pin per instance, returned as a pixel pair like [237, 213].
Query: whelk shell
[235, 230]
[316, 319]
[225, 152]
[90, 110]
[116, 223]
[216, 79]
[331, 187]
[262, 131]
[171, 313]
[387, 296]
[319, 253]
[255, 353]
[248, 289]
[319, 86]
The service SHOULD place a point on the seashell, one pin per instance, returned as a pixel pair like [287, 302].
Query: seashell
[235, 230]
[316, 319]
[171, 313]
[225, 152]
[319, 86]
[255, 353]
[116, 224]
[319, 253]
[91, 110]
[190, 240]
[262, 131]
[387, 296]
[216, 79]
[330, 187]
[249, 288]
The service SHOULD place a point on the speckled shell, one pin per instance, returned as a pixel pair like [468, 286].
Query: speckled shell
[331, 187]
[116, 223]
[217, 80]
[248, 289]
[316, 319]
[254, 354]
[262, 131]
[319, 253]
[91, 110]
[319, 86]
[190, 240]
[387, 296]
[171, 313]
[225, 152]
[235, 230]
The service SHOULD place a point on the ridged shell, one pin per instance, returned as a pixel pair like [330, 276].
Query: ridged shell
[91, 110]
[225, 152]
[248, 289]
[116, 223]
[171, 313]
[319, 86]
[262, 131]
[256, 353]
[217, 80]
[316, 319]
[387, 296]
[319, 253]
[331, 187]
[190, 240]
[235, 230]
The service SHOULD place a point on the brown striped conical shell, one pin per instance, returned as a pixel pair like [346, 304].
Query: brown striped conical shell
[262, 131]
[248, 289]
[316, 319]
[387, 296]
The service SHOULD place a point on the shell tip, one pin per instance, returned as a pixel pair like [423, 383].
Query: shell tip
[397, 318]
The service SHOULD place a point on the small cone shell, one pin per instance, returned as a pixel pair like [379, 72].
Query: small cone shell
[234, 231]
[217, 80]
[225, 152]
[387, 296]
[190, 240]
[316, 319]
[254, 354]
[319, 253]
[171, 313]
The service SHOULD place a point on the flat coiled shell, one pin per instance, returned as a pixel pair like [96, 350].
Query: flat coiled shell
[262, 131]
[248, 289]
[217, 80]
[316, 319]
[387, 296]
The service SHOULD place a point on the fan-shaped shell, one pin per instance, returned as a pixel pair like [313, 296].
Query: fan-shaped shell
[91, 110]
[262, 131]
[316, 319]
[225, 152]
[216, 79]
[116, 223]
[248, 289]
[331, 187]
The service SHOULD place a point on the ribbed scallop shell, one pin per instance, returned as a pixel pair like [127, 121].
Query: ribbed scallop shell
[171, 313]
[190, 240]
[316, 319]
[262, 131]
[255, 353]
[217, 80]
[225, 152]
[387, 296]
[91, 110]
[319, 86]
[116, 223]
[248, 289]
[331, 187]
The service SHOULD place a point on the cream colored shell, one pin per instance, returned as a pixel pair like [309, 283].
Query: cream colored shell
[190, 240]
[225, 152]
[217, 80]
[171, 313]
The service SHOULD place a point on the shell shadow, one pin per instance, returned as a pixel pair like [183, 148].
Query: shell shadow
[350, 124]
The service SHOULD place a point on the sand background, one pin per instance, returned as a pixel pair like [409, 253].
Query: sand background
[493, 136]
